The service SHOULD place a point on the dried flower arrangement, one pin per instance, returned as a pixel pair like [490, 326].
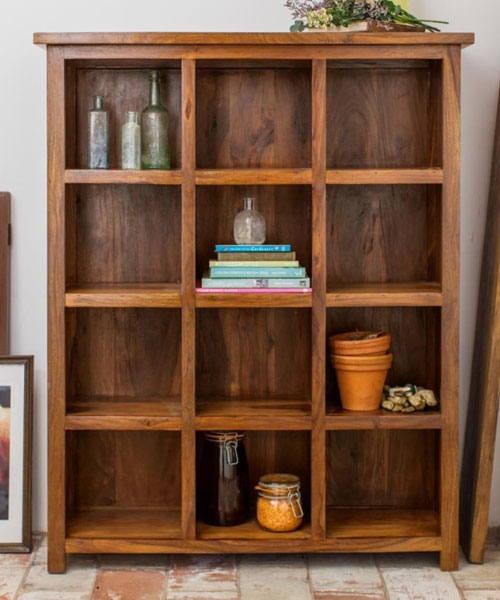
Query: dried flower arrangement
[331, 14]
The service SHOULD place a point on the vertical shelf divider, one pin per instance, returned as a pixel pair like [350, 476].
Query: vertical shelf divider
[56, 313]
[188, 299]
[318, 317]
[449, 483]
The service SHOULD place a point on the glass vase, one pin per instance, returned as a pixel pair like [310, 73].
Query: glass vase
[98, 135]
[155, 151]
[249, 225]
[131, 142]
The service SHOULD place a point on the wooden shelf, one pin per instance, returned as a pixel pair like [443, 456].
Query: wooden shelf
[302, 176]
[346, 420]
[129, 524]
[107, 176]
[385, 294]
[124, 295]
[250, 530]
[254, 414]
[383, 176]
[128, 414]
[383, 523]
[253, 176]
[253, 300]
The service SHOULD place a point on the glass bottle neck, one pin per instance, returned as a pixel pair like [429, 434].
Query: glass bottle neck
[98, 103]
[154, 92]
[131, 117]
[248, 203]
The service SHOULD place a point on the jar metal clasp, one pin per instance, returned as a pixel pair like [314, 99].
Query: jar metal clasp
[231, 448]
[295, 503]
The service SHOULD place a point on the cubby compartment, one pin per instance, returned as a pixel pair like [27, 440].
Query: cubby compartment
[124, 485]
[253, 365]
[267, 452]
[415, 347]
[123, 368]
[383, 114]
[123, 238]
[253, 115]
[125, 87]
[383, 234]
[382, 484]
[286, 209]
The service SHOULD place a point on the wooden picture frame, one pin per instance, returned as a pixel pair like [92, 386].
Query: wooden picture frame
[16, 396]
[4, 271]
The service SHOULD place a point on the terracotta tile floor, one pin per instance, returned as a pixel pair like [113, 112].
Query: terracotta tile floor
[323, 577]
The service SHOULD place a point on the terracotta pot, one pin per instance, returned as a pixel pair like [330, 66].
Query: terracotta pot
[361, 380]
[342, 345]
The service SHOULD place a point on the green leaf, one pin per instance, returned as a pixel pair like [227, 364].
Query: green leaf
[297, 26]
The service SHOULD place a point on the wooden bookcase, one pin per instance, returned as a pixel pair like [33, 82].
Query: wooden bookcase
[351, 143]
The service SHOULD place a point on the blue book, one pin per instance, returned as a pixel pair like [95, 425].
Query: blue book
[261, 248]
[261, 283]
[256, 272]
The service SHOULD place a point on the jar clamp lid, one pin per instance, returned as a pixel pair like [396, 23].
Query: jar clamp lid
[282, 485]
[230, 441]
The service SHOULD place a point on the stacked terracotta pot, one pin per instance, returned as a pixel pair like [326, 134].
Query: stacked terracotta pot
[361, 360]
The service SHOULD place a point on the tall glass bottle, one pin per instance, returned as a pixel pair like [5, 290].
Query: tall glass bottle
[249, 225]
[131, 142]
[98, 135]
[155, 152]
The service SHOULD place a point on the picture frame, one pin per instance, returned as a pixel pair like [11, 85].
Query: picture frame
[16, 426]
[4, 271]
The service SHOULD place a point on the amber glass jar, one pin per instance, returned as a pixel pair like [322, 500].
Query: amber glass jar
[223, 482]
[278, 506]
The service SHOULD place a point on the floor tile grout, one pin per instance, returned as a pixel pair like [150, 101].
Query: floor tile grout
[309, 581]
[381, 575]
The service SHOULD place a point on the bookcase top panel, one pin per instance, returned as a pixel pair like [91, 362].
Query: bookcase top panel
[307, 38]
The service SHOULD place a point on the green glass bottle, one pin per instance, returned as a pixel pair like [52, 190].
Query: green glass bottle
[155, 147]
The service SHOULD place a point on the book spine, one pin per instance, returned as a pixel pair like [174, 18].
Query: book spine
[208, 282]
[245, 248]
[255, 263]
[250, 272]
[254, 290]
[260, 256]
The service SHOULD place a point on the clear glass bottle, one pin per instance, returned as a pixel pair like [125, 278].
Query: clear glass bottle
[131, 142]
[155, 151]
[249, 224]
[98, 135]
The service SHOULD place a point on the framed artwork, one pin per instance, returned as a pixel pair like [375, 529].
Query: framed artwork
[4, 271]
[16, 412]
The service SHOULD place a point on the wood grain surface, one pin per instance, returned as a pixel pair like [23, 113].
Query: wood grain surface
[479, 449]
[253, 118]
[127, 234]
[253, 38]
[391, 239]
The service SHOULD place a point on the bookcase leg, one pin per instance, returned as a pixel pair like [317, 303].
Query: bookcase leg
[448, 560]
[56, 559]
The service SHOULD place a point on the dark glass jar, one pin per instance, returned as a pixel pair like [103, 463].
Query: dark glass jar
[223, 481]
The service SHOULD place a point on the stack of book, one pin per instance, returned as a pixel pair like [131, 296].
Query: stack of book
[264, 268]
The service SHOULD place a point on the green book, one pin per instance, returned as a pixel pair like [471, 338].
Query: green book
[252, 272]
[259, 256]
[255, 263]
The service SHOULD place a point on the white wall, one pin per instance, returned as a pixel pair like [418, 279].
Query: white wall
[23, 148]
